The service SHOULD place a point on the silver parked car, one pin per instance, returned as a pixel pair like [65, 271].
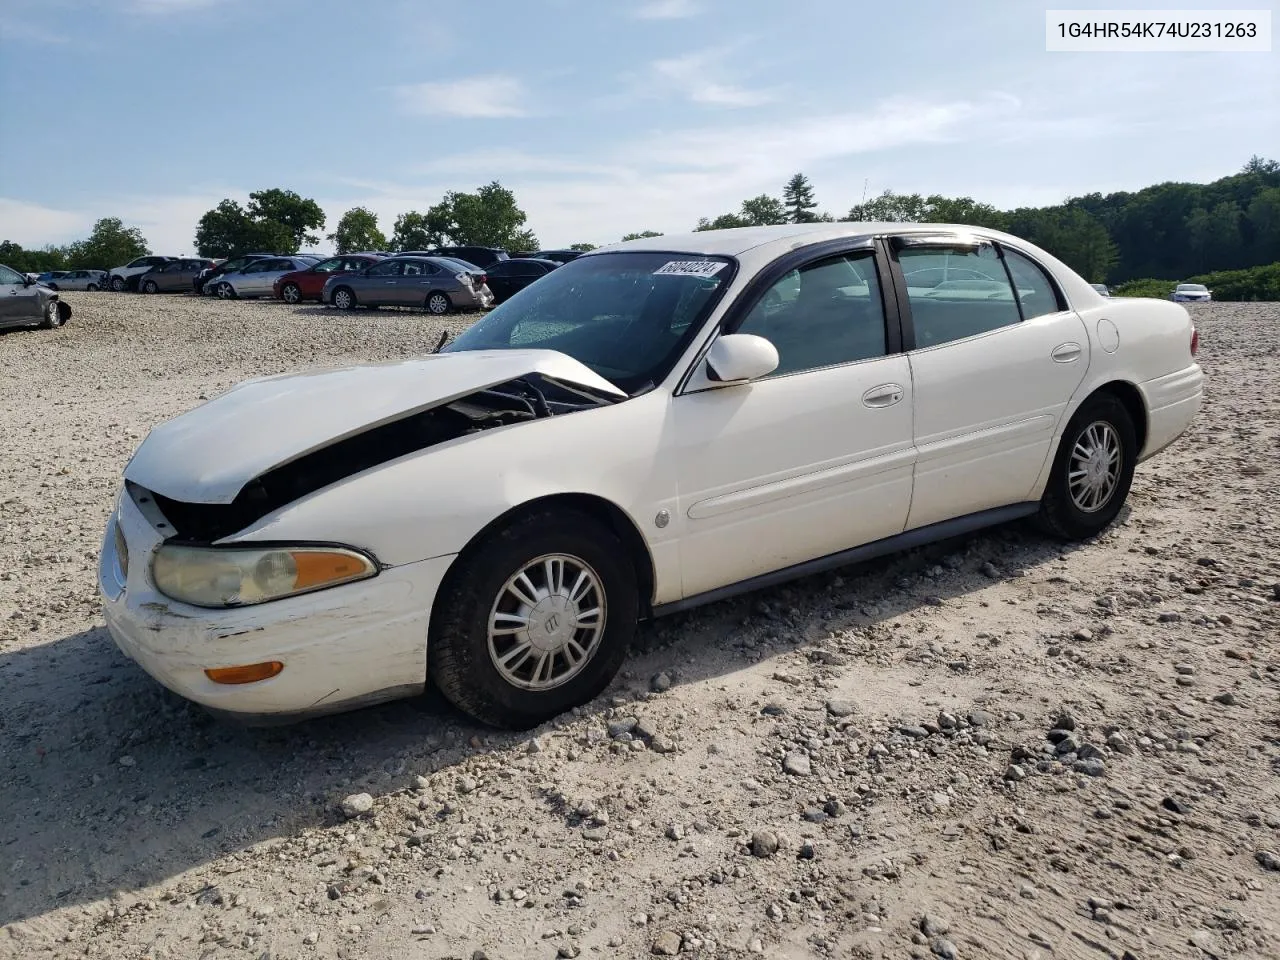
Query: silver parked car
[79, 280]
[1191, 293]
[257, 279]
[436, 284]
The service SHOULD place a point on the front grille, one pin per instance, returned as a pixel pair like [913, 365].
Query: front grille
[122, 552]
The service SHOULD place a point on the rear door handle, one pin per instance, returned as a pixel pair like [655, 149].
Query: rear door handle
[884, 395]
[1066, 352]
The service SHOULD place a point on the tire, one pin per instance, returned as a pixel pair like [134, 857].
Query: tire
[1102, 422]
[462, 655]
[52, 316]
[150, 287]
[291, 293]
[117, 284]
[343, 298]
[438, 304]
[92, 288]
[226, 291]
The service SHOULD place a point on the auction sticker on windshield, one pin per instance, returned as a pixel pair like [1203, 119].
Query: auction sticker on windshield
[691, 268]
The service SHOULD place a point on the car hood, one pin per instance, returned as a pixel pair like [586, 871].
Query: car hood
[208, 454]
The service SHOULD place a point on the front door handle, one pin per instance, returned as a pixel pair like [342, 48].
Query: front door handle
[1066, 353]
[885, 395]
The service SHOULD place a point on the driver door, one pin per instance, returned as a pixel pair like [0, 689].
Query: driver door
[815, 458]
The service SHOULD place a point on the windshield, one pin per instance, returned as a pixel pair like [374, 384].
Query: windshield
[627, 316]
[1192, 287]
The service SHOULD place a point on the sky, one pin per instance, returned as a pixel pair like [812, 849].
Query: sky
[604, 116]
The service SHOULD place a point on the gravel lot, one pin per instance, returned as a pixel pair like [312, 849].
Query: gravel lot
[857, 765]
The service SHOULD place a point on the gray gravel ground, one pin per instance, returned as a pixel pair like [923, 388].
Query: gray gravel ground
[997, 747]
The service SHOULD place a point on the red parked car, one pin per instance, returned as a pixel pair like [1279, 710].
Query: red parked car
[307, 284]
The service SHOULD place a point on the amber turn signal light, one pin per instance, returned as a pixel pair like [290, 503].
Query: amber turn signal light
[250, 673]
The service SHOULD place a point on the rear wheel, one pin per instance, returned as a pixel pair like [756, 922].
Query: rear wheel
[439, 303]
[343, 298]
[1092, 470]
[533, 620]
[92, 288]
[226, 291]
[291, 293]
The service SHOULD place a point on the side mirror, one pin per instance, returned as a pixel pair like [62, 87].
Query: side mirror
[27, 281]
[741, 357]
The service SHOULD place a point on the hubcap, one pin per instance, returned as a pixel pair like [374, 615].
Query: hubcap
[342, 299]
[546, 623]
[291, 294]
[438, 304]
[1095, 467]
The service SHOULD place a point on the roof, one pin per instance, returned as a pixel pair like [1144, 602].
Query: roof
[738, 240]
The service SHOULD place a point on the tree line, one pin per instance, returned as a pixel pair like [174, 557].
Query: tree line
[1169, 230]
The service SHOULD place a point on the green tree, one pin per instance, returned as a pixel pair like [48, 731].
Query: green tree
[726, 221]
[798, 198]
[109, 244]
[764, 210]
[642, 235]
[889, 207]
[1214, 235]
[1264, 220]
[939, 209]
[229, 230]
[299, 215]
[414, 231]
[584, 247]
[488, 217]
[32, 261]
[358, 230]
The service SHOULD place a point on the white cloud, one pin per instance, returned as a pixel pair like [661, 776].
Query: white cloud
[667, 10]
[701, 77]
[33, 225]
[494, 95]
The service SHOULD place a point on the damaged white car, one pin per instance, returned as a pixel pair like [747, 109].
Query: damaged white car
[654, 425]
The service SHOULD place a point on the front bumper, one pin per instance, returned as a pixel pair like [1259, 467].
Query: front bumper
[345, 647]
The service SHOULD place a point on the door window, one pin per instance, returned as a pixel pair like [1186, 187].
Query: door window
[388, 268]
[414, 268]
[8, 276]
[1036, 292]
[328, 266]
[821, 315]
[956, 292]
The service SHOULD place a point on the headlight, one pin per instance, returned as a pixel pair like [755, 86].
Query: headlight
[211, 577]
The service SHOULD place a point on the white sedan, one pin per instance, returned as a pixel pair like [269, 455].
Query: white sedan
[654, 425]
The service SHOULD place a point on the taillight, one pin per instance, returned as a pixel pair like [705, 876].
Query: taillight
[1195, 341]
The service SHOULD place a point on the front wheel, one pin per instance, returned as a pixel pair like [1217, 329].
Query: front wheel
[117, 284]
[52, 316]
[439, 304]
[291, 293]
[343, 298]
[533, 620]
[1092, 471]
[92, 288]
[150, 287]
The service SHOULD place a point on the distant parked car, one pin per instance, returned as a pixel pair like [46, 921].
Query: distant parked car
[1191, 293]
[439, 285]
[258, 278]
[308, 284]
[1101, 288]
[202, 281]
[174, 277]
[126, 277]
[509, 277]
[480, 256]
[50, 276]
[560, 256]
[79, 280]
[26, 303]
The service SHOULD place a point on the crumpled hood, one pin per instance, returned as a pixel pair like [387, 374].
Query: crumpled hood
[208, 454]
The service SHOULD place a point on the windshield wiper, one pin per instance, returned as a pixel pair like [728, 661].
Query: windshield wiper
[444, 338]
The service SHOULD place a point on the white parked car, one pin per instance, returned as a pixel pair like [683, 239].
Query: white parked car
[653, 425]
[257, 279]
[126, 277]
[1191, 293]
[80, 280]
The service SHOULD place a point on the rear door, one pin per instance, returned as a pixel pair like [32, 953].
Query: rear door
[417, 280]
[995, 357]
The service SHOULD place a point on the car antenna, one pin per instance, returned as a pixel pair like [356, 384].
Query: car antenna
[444, 338]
